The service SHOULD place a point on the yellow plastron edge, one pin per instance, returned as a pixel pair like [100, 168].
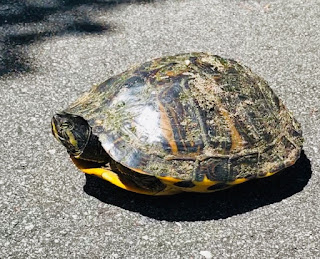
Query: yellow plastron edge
[113, 178]
[199, 186]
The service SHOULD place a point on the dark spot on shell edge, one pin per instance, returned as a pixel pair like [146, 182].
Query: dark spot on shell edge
[185, 184]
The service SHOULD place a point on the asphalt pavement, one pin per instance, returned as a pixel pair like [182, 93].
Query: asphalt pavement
[52, 51]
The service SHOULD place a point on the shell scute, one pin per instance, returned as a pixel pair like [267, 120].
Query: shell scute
[192, 116]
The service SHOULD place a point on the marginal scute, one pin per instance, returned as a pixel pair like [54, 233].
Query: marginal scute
[191, 117]
[218, 186]
[185, 184]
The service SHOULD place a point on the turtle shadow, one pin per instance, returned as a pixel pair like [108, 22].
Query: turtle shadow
[218, 205]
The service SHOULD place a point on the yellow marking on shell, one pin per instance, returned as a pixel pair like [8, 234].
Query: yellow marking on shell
[201, 186]
[167, 131]
[113, 178]
[170, 73]
[238, 181]
[206, 182]
[168, 179]
[138, 170]
[174, 116]
[236, 140]
[267, 174]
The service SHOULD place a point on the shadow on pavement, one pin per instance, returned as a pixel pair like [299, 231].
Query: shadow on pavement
[23, 23]
[219, 205]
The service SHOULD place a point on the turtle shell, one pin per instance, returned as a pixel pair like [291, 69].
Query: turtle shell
[193, 117]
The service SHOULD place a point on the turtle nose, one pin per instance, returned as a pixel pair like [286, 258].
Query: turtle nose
[57, 118]
[55, 122]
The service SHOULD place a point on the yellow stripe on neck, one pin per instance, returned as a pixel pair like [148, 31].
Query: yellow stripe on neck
[72, 140]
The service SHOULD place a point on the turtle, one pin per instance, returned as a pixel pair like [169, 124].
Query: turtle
[192, 122]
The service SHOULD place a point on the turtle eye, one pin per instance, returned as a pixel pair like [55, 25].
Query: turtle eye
[65, 125]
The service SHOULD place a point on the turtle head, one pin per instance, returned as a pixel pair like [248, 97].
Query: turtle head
[72, 131]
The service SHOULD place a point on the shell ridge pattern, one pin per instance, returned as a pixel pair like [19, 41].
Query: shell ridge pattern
[195, 105]
[192, 117]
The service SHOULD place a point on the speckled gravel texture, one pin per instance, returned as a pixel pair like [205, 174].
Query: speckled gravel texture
[52, 51]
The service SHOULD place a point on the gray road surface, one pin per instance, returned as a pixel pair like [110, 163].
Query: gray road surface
[51, 51]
